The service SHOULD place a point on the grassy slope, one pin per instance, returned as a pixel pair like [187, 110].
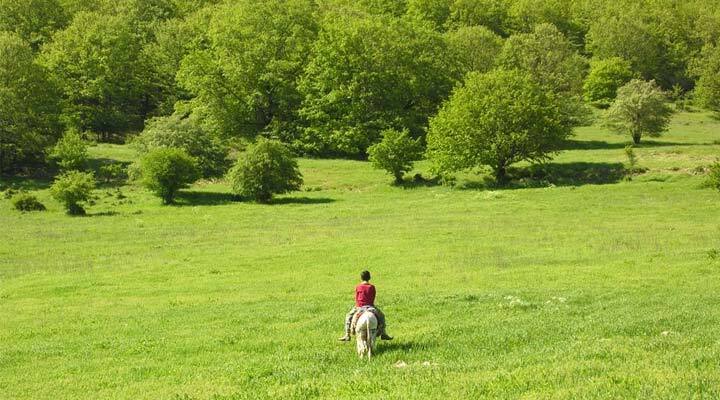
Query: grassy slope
[577, 291]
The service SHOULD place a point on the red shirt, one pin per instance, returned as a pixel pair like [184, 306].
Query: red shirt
[364, 295]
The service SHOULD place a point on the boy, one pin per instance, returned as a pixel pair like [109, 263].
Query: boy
[365, 298]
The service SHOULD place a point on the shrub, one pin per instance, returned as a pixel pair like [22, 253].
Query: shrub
[166, 170]
[72, 189]
[630, 153]
[183, 133]
[639, 109]
[265, 168]
[113, 171]
[70, 152]
[23, 201]
[714, 176]
[395, 153]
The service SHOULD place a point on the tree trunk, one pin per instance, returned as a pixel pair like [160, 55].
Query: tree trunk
[636, 137]
[501, 174]
[398, 178]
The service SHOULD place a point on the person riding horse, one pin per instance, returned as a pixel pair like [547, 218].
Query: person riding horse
[365, 301]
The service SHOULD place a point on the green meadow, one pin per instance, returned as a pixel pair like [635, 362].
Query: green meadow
[576, 282]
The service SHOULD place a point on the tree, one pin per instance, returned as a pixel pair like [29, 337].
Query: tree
[395, 153]
[474, 48]
[179, 131]
[707, 69]
[657, 38]
[548, 56]
[166, 170]
[72, 189]
[264, 169]
[173, 40]
[245, 82]
[490, 13]
[496, 119]
[640, 108]
[33, 20]
[98, 64]
[369, 73]
[435, 13]
[70, 152]
[605, 78]
[28, 106]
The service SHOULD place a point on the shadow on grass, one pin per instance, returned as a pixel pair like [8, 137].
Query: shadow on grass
[201, 198]
[301, 200]
[102, 214]
[601, 145]
[555, 174]
[419, 181]
[396, 346]
[25, 184]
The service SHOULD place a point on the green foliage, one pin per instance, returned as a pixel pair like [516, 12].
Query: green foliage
[713, 179]
[605, 78]
[165, 170]
[264, 169]
[184, 133]
[496, 119]
[630, 154]
[657, 38]
[173, 40]
[490, 13]
[98, 63]
[395, 153]
[24, 201]
[473, 48]
[70, 152]
[548, 56]
[707, 91]
[112, 171]
[28, 106]
[640, 108]
[72, 189]
[435, 13]
[369, 73]
[245, 82]
[33, 20]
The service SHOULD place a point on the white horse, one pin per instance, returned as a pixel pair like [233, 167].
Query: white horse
[365, 333]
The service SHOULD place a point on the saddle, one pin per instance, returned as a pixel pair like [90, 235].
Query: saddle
[357, 315]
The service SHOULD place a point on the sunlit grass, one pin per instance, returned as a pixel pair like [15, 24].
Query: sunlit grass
[569, 290]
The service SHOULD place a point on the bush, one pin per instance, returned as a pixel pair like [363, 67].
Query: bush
[73, 188]
[164, 171]
[26, 202]
[70, 152]
[113, 171]
[639, 109]
[714, 176]
[395, 153]
[265, 168]
[183, 133]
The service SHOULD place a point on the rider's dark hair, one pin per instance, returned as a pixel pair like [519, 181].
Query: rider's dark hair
[365, 275]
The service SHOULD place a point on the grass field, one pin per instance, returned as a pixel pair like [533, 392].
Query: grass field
[583, 285]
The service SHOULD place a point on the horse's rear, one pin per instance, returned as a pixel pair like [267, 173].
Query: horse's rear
[365, 332]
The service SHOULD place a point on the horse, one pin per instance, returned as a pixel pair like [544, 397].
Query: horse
[365, 332]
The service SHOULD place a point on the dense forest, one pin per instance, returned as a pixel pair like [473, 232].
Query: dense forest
[328, 77]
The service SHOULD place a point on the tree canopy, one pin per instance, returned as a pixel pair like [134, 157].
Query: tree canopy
[496, 119]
